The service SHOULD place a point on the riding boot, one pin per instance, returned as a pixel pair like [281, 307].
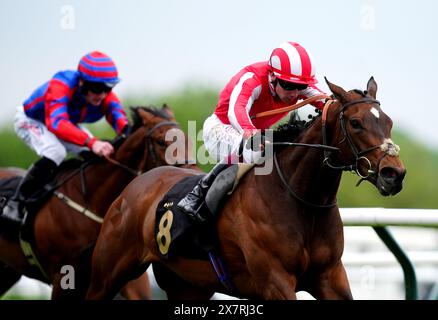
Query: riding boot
[36, 177]
[193, 202]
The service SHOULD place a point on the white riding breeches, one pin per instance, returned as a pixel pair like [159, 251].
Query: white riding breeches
[222, 140]
[46, 144]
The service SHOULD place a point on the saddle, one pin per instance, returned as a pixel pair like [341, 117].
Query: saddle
[24, 232]
[8, 188]
[176, 234]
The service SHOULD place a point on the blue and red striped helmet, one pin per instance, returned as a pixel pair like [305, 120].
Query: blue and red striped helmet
[98, 67]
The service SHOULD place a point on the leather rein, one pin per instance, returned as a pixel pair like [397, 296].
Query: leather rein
[149, 146]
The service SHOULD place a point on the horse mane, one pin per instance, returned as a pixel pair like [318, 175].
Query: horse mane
[290, 131]
[137, 120]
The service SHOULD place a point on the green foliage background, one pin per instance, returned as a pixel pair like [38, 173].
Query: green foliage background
[197, 103]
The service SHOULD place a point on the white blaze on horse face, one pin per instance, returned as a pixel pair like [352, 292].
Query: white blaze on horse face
[375, 112]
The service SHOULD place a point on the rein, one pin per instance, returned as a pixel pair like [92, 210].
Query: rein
[121, 165]
[290, 108]
[82, 168]
[294, 194]
[149, 147]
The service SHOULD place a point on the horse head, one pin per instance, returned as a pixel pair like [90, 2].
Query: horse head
[147, 142]
[363, 135]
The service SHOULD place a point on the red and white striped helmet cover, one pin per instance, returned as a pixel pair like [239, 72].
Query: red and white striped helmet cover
[291, 62]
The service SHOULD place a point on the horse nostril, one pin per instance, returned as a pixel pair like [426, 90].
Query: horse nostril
[392, 174]
[402, 174]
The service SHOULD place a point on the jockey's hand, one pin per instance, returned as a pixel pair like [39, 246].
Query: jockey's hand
[256, 142]
[102, 148]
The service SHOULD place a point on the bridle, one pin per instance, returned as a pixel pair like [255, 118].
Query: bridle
[119, 139]
[149, 146]
[150, 142]
[359, 155]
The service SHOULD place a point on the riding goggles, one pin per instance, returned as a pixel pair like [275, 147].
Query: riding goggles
[96, 87]
[289, 86]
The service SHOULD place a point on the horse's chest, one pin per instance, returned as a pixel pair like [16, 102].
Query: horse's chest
[322, 252]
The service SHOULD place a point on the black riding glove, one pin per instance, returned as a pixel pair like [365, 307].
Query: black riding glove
[126, 131]
[256, 142]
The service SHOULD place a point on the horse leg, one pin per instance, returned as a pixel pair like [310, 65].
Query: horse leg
[332, 285]
[109, 274]
[138, 289]
[73, 288]
[280, 286]
[117, 256]
[112, 270]
[8, 277]
[58, 293]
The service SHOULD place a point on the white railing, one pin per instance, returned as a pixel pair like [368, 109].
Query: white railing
[389, 217]
[379, 219]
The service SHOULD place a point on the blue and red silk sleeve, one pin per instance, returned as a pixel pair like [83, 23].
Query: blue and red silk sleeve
[114, 113]
[56, 114]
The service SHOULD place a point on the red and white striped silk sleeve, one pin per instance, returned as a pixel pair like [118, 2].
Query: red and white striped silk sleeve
[246, 91]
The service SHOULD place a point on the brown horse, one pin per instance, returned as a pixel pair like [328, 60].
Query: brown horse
[286, 239]
[64, 236]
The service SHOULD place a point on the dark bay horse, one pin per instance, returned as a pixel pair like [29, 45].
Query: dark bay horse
[287, 238]
[64, 236]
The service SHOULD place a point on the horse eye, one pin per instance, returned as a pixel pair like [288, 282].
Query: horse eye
[162, 143]
[355, 124]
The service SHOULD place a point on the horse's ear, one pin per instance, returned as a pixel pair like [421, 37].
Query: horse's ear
[146, 117]
[339, 93]
[169, 111]
[372, 87]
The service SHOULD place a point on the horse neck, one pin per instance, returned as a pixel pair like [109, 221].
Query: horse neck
[106, 180]
[304, 170]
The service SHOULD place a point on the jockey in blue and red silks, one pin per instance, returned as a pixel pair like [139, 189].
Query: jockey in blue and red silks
[49, 120]
[288, 75]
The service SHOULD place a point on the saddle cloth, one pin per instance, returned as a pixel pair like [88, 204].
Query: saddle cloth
[175, 233]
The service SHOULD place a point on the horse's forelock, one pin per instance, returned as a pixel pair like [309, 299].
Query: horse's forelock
[360, 92]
